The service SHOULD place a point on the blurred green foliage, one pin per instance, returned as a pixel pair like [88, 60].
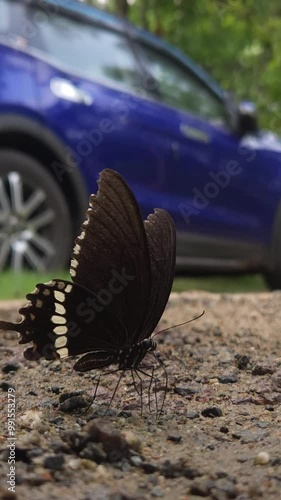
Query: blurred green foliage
[237, 41]
[17, 285]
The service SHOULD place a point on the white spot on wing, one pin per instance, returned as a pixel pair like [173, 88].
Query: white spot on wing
[74, 263]
[63, 353]
[60, 330]
[76, 249]
[60, 342]
[46, 292]
[50, 283]
[59, 308]
[60, 296]
[72, 272]
[58, 320]
[22, 318]
[60, 285]
[68, 288]
[82, 236]
[39, 303]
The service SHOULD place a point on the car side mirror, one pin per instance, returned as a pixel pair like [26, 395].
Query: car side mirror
[242, 117]
[247, 118]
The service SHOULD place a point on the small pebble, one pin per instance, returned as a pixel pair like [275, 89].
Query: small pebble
[136, 460]
[55, 390]
[262, 369]
[156, 492]
[66, 395]
[185, 390]
[242, 361]
[89, 464]
[276, 380]
[73, 403]
[214, 380]
[224, 430]
[174, 436]
[262, 458]
[148, 467]
[74, 463]
[192, 414]
[132, 441]
[230, 378]
[211, 412]
[10, 367]
[31, 419]
[54, 462]
[6, 385]
[94, 451]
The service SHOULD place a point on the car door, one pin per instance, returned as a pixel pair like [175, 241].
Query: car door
[208, 180]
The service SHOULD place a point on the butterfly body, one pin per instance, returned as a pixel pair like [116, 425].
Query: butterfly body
[130, 357]
[122, 271]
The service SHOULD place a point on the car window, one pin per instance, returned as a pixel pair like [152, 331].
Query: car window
[4, 17]
[87, 49]
[178, 87]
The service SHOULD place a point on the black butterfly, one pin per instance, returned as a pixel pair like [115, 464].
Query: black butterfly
[122, 272]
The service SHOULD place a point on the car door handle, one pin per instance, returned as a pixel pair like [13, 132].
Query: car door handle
[67, 90]
[194, 133]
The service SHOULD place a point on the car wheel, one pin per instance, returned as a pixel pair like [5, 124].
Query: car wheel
[35, 223]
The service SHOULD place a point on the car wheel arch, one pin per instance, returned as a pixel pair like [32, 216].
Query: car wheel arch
[33, 138]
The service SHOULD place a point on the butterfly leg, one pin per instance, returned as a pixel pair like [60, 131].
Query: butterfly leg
[97, 386]
[152, 380]
[160, 362]
[141, 391]
[149, 389]
[94, 396]
[115, 390]
[134, 383]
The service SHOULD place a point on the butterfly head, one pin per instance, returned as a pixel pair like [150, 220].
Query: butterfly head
[148, 345]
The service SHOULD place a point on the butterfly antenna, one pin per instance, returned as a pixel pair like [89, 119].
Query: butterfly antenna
[180, 324]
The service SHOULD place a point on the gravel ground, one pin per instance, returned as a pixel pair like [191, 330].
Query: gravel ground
[218, 436]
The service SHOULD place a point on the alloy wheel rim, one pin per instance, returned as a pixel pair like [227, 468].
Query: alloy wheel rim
[25, 222]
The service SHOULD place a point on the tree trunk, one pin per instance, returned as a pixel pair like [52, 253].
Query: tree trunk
[122, 8]
[144, 9]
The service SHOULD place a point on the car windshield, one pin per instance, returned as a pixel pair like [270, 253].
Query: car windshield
[86, 49]
[4, 17]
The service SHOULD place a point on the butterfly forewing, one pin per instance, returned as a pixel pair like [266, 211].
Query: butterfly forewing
[111, 256]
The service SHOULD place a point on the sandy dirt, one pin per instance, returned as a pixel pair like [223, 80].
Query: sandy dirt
[218, 436]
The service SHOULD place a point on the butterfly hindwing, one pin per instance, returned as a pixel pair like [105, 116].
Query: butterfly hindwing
[64, 319]
[161, 238]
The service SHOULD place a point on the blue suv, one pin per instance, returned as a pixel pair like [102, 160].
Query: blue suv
[81, 90]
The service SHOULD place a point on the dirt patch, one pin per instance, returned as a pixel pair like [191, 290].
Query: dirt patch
[219, 435]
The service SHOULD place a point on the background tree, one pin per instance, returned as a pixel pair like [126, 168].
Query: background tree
[237, 41]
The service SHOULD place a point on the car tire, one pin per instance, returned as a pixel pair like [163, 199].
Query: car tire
[272, 273]
[35, 222]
